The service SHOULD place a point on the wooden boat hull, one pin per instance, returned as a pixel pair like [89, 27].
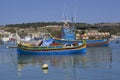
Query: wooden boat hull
[50, 51]
[26, 52]
[89, 43]
[98, 44]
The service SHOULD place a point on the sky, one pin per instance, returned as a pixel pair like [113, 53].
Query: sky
[88, 11]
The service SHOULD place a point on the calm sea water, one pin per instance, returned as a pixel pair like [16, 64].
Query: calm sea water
[100, 63]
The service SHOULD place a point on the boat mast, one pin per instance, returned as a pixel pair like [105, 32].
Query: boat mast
[74, 14]
[75, 10]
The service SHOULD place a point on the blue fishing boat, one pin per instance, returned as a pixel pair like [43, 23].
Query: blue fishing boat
[69, 36]
[89, 42]
[52, 49]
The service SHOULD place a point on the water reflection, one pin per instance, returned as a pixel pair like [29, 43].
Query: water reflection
[62, 61]
[7, 64]
[7, 55]
[99, 57]
[67, 67]
[58, 65]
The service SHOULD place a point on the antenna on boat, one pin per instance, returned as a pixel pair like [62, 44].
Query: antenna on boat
[63, 16]
[73, 19]
[75, 10]
[65, 13]
[65, 20]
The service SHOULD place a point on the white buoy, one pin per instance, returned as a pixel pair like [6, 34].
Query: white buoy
[45, 66]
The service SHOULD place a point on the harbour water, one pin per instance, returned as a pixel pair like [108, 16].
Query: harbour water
[99, 63]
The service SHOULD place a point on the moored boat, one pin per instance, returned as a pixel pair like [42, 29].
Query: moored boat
[89, 43]
[69, 36]
[53, 49]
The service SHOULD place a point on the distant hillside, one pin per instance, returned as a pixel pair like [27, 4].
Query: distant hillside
[113, 28]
